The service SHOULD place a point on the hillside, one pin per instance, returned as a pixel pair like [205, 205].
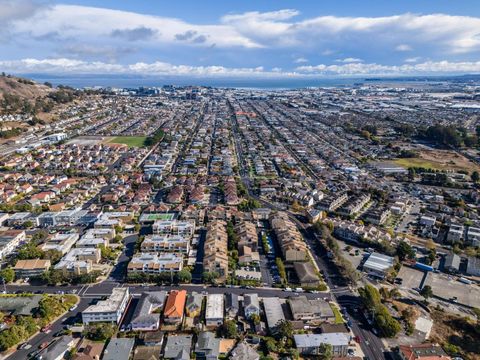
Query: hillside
[23, 88]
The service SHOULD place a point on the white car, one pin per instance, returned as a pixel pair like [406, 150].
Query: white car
[73, 308]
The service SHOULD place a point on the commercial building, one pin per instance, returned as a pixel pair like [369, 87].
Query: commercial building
[10, 240]
[61, 242]
[378, 265]
[310, 310]
[273, 312]
[309, 344]
[109, 310]
[146, 316]
[214, 310]
[30, 268]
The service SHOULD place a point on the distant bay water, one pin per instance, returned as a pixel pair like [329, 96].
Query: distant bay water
[81, 81]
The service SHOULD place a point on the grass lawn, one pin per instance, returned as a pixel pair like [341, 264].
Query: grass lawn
[338, 315]
[417, 162]
[131, 141]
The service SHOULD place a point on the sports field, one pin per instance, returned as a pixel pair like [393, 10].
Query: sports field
[156, 216]
[131, 141]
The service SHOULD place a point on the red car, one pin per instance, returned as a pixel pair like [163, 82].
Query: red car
[46, 328]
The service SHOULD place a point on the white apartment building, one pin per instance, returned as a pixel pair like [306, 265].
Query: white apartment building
[110, 310]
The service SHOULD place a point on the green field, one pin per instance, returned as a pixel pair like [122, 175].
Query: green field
[131, 141]
[338, 315]
[157, 216]
[422, 163]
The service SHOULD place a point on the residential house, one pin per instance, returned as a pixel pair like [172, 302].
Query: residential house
[146, 316]
[174, 307]
[251, 305]
[309, 344]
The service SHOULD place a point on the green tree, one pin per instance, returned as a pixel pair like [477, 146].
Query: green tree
[370, 296]
[99, 332]
[284, 329]
[7, 274]
[426, 291]
[255, 318]
[405, 251]
[325, 352]
[475, 176]
[184, 276]
[229, 329]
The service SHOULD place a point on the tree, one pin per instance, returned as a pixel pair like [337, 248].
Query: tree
[475, 176]
[184, 276]
[99, 332]
[426, 291]
[7, 274]
[210, 277]
[325, 352]
[284, 329]
[229, 329]
[370, 296]
[30, 251]
[405, 251]
[255, 318]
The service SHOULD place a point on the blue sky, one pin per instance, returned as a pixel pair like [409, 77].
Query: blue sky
[240, 38]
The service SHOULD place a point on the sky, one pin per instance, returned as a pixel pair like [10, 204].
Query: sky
[241, 39]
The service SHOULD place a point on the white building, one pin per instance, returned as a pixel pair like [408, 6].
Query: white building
[10, 240]
[214, 310]
[61, 242]
[378, 264]
[110, 310]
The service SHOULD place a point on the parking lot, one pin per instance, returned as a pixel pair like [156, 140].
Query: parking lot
[411, 278]
[449, 287]
[354, 256]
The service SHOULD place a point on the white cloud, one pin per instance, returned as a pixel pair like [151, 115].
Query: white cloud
[96, 24]
[159, 68]
[413, 59]
[349, 60]
[403, 47]
[429, 67]
[300, 60]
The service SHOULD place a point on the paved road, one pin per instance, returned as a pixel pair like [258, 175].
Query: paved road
[37, 340]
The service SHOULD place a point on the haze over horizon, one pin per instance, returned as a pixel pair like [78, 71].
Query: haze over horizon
[271, 40]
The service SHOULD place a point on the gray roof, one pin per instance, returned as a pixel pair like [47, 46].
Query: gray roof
[251, 300]
[208, 345]
[57, 348]
[118, 349]
[243, 351]
[19, 305]
[148, 303]
[194, 300]
[178, 347]
[452, 261]
[314, 340]
[378, 262]
[301, 304]
[273, 311]
[231, 301]
[306, 272]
